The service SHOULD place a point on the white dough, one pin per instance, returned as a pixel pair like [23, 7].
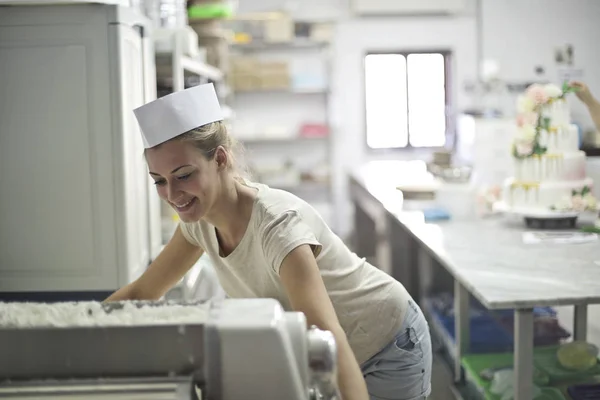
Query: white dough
[27, 315]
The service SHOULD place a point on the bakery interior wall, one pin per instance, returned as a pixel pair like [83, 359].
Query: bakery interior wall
[518, 35]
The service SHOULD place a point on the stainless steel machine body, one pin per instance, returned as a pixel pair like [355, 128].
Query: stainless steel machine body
[245, 349]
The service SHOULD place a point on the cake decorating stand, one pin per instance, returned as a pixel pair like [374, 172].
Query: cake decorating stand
[539, 218]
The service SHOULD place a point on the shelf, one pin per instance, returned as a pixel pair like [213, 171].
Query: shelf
[164, 67]
[283, 91]
[297, 44]
[201, 68]
[287, 140]
[305, 188]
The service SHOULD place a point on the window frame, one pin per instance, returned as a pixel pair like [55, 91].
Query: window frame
[450, 128]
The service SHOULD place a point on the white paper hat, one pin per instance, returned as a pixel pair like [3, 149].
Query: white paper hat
[177, 113]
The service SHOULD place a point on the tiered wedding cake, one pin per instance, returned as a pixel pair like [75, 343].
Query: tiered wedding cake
[549, 168]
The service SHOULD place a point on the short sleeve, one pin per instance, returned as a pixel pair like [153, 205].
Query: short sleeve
[190, 233]
[283, 233]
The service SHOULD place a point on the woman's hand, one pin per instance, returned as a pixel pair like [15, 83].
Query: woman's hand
[593, 105]
[583, 92]
[174, 261]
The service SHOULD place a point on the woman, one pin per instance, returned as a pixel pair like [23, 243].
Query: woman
[593, 105]
[265, 242]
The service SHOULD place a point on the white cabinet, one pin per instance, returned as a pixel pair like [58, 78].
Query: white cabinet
[77, 210]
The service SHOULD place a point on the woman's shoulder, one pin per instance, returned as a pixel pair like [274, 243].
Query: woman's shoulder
[272, 202]
[194, 231]
[274, 206]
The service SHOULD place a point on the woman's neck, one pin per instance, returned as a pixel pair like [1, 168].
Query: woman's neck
[231, 214]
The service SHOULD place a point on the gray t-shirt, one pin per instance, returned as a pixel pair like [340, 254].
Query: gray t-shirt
[369, 304]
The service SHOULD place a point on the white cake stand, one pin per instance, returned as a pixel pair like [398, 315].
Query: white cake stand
[540, 218]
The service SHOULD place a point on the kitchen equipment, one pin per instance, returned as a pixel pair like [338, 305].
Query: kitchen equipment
[76, 77]
[227, 350]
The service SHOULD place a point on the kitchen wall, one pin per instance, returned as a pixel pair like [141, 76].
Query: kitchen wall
[353, 39]
[519, 35]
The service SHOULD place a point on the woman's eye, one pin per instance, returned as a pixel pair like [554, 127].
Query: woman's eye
[184, 177]
[159, 182]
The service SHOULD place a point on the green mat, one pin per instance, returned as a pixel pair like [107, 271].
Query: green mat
[545, 360]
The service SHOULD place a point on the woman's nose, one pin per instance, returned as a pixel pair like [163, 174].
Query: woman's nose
[172, 192]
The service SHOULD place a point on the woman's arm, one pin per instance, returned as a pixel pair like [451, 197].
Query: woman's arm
[593, 105]
[300, 276]
[173, 262]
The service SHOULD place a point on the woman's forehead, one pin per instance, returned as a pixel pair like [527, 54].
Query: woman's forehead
[170, 155]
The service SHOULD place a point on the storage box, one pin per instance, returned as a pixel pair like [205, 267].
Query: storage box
[244, 65]
[275, 81]
[207, 27]
[274, 67]
[217, 51]
[279, 29]
[245, 82]
[321, 32]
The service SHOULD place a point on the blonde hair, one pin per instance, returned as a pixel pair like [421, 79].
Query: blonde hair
[207, 138]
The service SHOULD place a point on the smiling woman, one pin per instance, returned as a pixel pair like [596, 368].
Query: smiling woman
[268, 243]
[186, 186]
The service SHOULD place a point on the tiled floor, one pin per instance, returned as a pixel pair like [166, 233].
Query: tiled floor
[441, 381]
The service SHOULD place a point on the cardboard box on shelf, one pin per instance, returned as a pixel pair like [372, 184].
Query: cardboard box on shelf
[245, 83]
[313, 130]
[279, 29]
[244, 65]
[275, 81]
[321, 32]
[274, 67]
[217, 51]
[207, 27]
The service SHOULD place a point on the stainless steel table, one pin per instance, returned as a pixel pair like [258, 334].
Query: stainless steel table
[486, 258]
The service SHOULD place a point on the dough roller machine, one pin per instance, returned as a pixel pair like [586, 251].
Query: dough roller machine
[242, 349]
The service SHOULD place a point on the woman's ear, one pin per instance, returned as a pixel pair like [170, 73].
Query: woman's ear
[221, 157]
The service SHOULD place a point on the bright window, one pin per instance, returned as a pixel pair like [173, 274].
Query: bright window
[405, 100]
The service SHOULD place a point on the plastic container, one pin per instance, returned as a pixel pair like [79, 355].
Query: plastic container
[492, 331]
[214, 10]
[578, 356]
[475, 364]
[584, 392]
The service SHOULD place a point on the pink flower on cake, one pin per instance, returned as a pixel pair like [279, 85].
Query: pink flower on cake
[537, 93]
[524, 148]
[553, 91]
[495, 191]
[529, 118]
[578, 203]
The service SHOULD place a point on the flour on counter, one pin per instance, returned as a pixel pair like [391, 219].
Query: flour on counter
[27, 315]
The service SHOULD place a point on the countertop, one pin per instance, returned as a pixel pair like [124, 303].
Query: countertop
[124, 3]
[487, 255]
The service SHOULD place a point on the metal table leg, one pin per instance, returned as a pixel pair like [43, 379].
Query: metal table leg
[461, 328]
[580, 322]
[523, 354]
[365, 231]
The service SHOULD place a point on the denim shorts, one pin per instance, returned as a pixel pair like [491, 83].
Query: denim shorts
[402, 369]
